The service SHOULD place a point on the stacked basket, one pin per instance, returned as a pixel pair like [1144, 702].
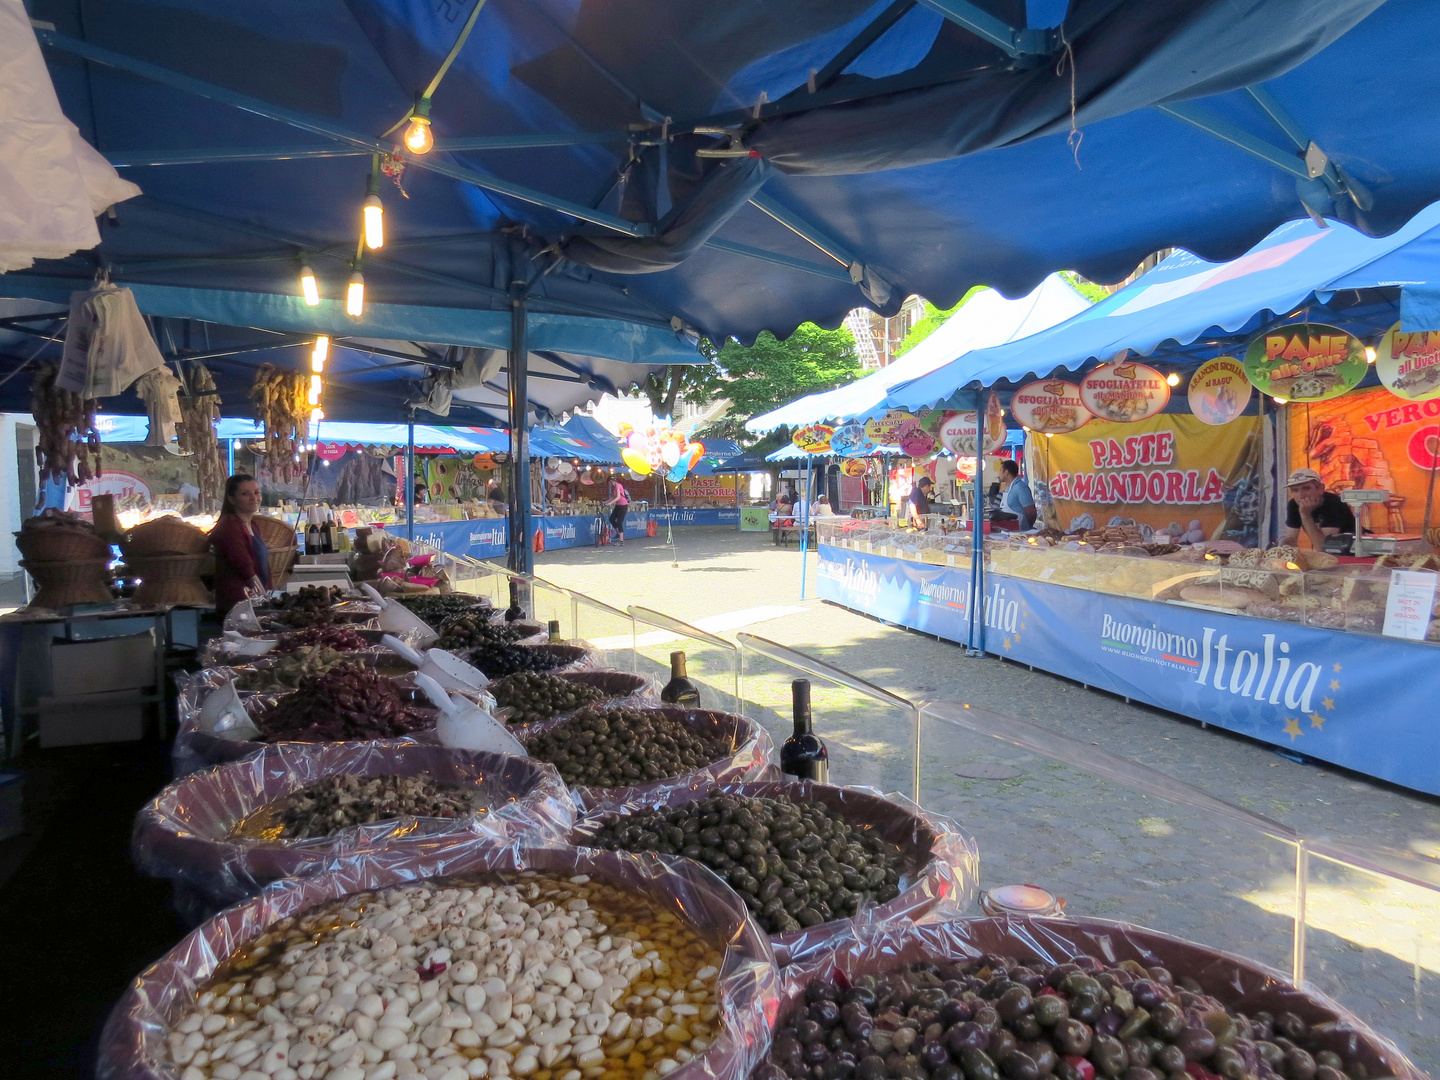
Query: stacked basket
[280, 539]
[166, 554]
[68, 559]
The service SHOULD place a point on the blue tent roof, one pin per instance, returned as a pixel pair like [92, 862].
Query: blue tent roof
[1185, 301]
[579, 437]
[874, 149]
[133, 429]
[986, 319]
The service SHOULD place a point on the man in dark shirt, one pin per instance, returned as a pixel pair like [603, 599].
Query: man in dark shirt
[1314, 511]
[920, 501]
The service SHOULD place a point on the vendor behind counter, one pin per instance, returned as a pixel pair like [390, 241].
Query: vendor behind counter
[1314, 511]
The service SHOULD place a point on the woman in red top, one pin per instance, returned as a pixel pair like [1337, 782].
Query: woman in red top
[242, 561]
[620, 500]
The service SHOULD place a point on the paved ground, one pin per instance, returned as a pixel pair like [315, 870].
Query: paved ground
[1112, 850]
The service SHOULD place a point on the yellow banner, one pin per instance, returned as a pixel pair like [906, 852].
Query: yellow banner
[1171, 472]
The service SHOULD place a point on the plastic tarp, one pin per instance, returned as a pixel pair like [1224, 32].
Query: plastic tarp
[579, 437]
[132, 429]
[1185, 298]
[986, 319]
[53, 183]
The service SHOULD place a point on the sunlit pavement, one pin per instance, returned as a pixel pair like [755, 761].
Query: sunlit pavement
[1110, 851]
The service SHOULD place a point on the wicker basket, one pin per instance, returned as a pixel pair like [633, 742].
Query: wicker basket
[164, 536]
[281, 560]
[273, 531]
[169, 579]
[63, 584]
[1432, 537]
[61, 543]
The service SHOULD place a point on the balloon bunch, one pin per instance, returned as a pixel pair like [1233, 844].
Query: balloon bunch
[663, 450]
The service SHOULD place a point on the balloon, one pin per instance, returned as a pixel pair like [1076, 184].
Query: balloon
[677, 474]
[636, 460]
[625, 430]
[670, 452]
[693, 453]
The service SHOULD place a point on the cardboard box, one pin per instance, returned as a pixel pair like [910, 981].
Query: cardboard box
[81, 719]
[102, 665]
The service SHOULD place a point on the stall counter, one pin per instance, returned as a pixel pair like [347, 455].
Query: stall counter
[486, 538]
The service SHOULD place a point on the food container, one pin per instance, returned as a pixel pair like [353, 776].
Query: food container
[944, 861]
[132, 1042]
[67, 583]
[625, 689]
[169, 579]
[165, 535]
[185, 833]
[1239, 983]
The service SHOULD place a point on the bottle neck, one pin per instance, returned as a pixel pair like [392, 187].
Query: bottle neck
[677, 665]
[800, 697]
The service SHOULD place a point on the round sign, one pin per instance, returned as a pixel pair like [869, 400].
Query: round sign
[814, 438]
[330, 451]
[885, 430]
[1125, 391]
[1050, 406]
[1219, 390]
[849, 440]
[117, 482]
[915, 440]
[1409, 364]
[1305, 362]
[852, 467]
[957, 430]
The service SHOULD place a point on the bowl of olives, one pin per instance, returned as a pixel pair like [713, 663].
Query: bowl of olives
[531, 697]
[1029, 998]
[809, 860]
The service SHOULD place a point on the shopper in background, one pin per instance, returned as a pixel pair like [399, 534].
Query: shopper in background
[242, 561]
[620, 500]
[920, 501]
[1017, 505]
[1314, 511]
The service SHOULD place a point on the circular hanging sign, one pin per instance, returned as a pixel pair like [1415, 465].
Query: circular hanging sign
[814, 438]
[850, 440]
[1305, 362]
[957, 430]
[1050, 406]
[852, 467]
[1219, 390]
[916, 439]
[1409, 364]
[885, 430]
[1124, 391]
[330, 451]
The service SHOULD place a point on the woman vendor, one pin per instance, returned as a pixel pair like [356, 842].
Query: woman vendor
[242, 561]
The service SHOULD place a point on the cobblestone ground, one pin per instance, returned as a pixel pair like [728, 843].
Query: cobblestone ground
[1111, 849]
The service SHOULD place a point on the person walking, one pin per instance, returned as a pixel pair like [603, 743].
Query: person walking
[620, 500]
[242, 561]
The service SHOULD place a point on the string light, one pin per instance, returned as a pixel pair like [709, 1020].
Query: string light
[320, 355]
[1173, 379]
[316, 384]
[316, 415]
[1281, 400]
[373, 213]
[309, 287]
[355, 296]
[1369, 354]
[419, 139]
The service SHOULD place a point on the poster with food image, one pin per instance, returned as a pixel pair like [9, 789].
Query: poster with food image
[1050, 406]
[814, 438]
[885, 430]
[1305, 362]
[957, 429]
[850, 440]
[920, 436]
[1219, 390]
[1125, 391]
[1409, 363]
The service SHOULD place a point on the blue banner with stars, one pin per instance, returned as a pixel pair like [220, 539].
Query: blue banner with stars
[1365, 703]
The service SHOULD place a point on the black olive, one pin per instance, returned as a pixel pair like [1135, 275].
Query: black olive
[1108, 1056]
[1170, 1058]
[1002, 1044]
[825, 1013]
[1049, 1009]
[978, 1065]
[1042, 1053]
[1196, 1043]
[1013, 1003]
[808, 1031]
[1166, 1020]
[1072, 1037]
[967, 1035]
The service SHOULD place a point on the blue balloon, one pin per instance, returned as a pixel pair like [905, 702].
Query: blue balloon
[676, 474]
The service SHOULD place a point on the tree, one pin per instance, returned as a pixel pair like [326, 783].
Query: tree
[931, 321]
[665, 386]
[1085, 287]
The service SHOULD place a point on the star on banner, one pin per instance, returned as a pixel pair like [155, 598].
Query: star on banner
[1337, 667]
[1292, 727]
[1006, 645]
[1334, 684]
[1328, 702]
[1317, 721]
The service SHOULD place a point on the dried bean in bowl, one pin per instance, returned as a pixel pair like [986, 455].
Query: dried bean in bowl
[526, 975]
[339, 802]
[609, 748]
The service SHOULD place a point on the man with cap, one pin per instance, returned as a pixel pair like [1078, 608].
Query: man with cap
[1314, 511]
[920, 501]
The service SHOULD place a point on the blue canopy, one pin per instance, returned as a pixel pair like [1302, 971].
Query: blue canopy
[687, 166]
[133, 429]
[579, 437]
[1184, 302]
[986, 319]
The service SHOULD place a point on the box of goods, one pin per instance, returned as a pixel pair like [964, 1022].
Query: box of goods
[103, 665]
[1076, 999]
[546, 959]
[83, 719]
[816, 861]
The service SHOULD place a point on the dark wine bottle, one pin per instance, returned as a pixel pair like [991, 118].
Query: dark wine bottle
[327, 537]
[804, 755]
[514, 611]
[312, 539]
[680, 690]
[554, 628]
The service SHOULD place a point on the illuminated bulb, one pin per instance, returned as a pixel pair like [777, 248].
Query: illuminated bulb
[309, 287]
[419, 139]
[1281, 400]
[1049, 434]
[1172, 379]
[321, 353]
[355, 296]
[313, 399]
[374, 213]
[1369, 354]
[316, 415]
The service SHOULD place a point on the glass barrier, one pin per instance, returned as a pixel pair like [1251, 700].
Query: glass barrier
[871, 733]
[550, 603]
[608, 630]
[712, 663]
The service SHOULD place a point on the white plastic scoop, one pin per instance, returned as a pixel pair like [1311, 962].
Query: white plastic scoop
[445, 668]
[465, 726]
[397, 619]
[237, 644]
[225, 717]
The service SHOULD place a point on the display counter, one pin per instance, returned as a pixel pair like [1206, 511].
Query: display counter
[1317, 676]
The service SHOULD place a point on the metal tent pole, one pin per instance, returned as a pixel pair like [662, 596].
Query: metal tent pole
[805, 526]
[230, 457]
[521, 557]
[410, 479]
[975, 613]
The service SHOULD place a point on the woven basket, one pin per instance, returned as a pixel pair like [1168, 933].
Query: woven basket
[58, 544]
[164, 536]
[65, 584]
[273, 531]
[281, 559]
[1432, 537]
[169, 579]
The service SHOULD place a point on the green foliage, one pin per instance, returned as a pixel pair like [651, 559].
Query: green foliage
[1085, 287]
[931, 321]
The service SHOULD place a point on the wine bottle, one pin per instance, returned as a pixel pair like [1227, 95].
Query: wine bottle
[680, 690]
[312, 539]
[554, 628]
[514, 611]
[327, 537]
[804, 755]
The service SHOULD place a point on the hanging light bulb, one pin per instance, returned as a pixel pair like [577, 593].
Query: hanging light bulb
[309, 287]
[1369, 354]
[315, 387]
[1281, 400]
[1173, 379]
[355, 296]
[321, 353]
[374, 216]
[316, 415]
[419, 139]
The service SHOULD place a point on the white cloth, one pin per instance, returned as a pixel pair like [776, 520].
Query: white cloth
[161, 393]
[52, 183]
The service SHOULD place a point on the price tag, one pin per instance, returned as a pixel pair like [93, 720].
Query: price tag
[1047, 573]
[1409, 603]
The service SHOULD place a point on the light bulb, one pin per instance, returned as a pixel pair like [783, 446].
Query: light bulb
[315, 385]
[374, 214]
[1173, 379]
[321, 353]
[419, 139]
[355, 296]
[1369, 354]
[1281, 400]
[309, 287]
[1049, 434]
[316, 415]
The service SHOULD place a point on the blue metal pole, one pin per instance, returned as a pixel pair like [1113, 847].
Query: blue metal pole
[521, 556]
[975, 613]
[805, 527]
[230, 458]
[410, 480]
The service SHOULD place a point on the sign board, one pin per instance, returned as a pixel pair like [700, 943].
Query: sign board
[1125, 392]
[1409, 603]
[1050, 406]
[1219, 390]
[1409, 364]
[754, 519]
[1305, 362]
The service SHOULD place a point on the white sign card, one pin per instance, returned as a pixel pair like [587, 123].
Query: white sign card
[1409, 604]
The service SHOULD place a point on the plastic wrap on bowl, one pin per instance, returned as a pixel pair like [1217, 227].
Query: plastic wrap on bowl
[751, 757]
[132, 1043]
[185, 833]
[945, 861]
[1239, 983]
